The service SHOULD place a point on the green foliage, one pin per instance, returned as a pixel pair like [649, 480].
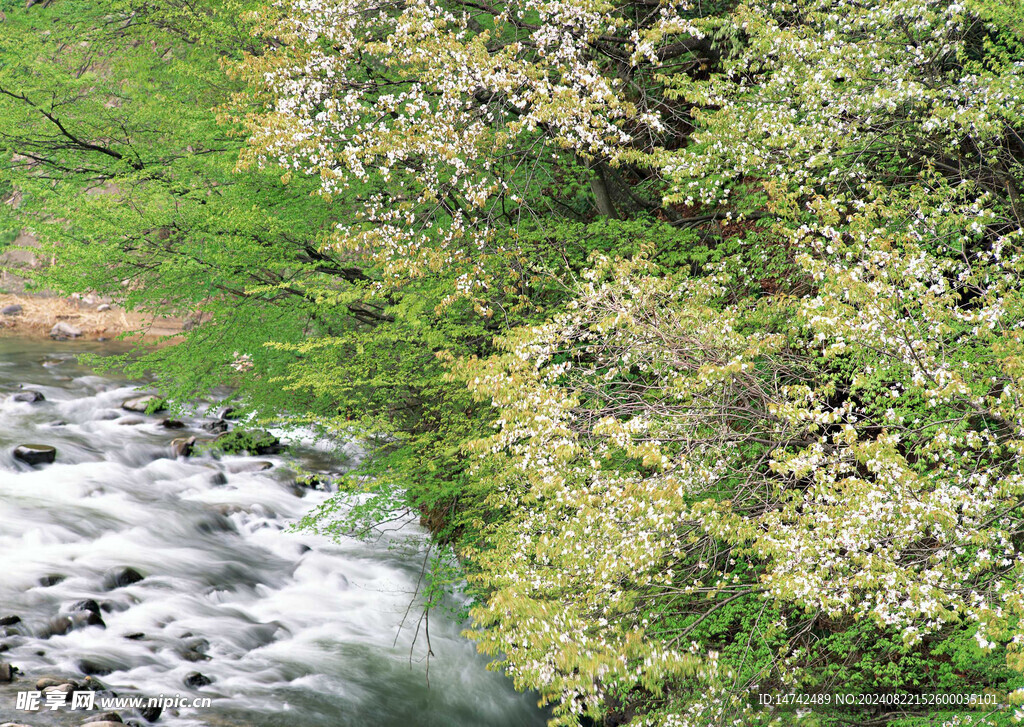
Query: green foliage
[692, 333]
[247, 441]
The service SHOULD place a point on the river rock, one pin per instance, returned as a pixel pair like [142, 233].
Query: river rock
[6, 672]
[193, 649]
[47, 682]
[9, 620]
[182, 446]
[171, 424]
[243, 467]
[63, 330]
[34, 454]
[28, 397]
[218, 479]
[104, 720]
[151, 714]
[131, 422]
[195, 680]
[217, 427]
[11, 310]
[51, 579]
[87, 604]
[120, 577]
[213, 522]
[117, 606]
[57, 626]
[143, 404]
[103, 307]
[81, 619]
[94, 667]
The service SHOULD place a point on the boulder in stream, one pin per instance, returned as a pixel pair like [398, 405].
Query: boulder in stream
[182, 446]
[217, 427]
[195, 679]
[28, 396]
[95, 667]
[34, 454]
[143, 404]
[6, 672]
[57, 626]
[238, 468]
[151, 714]
[87, 604]
[11, 310]
[47, 682]
[120, 577]
[66, 623]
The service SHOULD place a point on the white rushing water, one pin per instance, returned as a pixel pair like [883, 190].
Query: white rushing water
[290, 628]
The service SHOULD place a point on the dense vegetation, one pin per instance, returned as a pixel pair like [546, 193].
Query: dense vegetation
[695, 329]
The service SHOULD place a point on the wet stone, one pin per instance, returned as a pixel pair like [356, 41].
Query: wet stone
[120, 577]
[93, 667]
[217, 427]
[196, 679]
[244, 467]
[143, 404]
[151, 714]
[182, 446]
[34, 454]
[87, 604]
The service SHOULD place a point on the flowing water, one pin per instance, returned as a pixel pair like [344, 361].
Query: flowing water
[290, 628]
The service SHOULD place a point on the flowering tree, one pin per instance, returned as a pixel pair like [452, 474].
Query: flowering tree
[850, 455]
[705, 491]
[450, 116]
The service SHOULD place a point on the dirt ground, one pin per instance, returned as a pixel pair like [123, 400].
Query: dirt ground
[95, 320]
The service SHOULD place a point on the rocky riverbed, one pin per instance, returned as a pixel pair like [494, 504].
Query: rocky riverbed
[130, 570]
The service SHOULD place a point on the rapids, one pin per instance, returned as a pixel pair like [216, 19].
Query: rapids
[290, 628]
